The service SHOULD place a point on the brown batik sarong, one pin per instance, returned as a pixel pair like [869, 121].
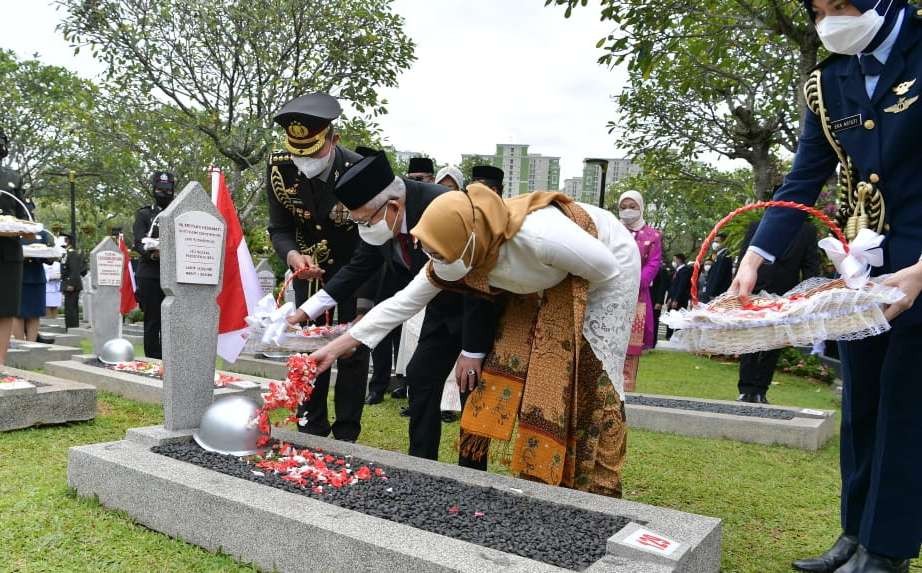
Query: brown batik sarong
[571, 428]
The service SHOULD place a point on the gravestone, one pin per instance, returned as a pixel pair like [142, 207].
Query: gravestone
[191, 262]
[266, 277]
[289, 289]
[105, 297]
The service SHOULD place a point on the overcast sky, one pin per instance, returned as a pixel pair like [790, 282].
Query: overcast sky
[487, 72]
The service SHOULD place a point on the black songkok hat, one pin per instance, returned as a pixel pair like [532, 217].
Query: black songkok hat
[306, 120]
[364, 180]
[421, 165]
[365, 151]
[487, 172]
[163, 181]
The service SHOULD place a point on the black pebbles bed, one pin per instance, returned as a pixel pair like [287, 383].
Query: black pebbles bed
[737, 410]
[556, 534]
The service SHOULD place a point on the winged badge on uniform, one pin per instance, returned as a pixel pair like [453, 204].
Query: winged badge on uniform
[901, 105]
[904, 87]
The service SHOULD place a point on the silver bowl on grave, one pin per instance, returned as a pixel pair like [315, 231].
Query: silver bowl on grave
[116, 350]
[229, 427]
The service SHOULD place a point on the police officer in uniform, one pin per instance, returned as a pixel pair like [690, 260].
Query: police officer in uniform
[311, 231]
[864, 115]
[149, 293]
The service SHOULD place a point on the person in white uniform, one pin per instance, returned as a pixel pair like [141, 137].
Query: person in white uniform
[569, 274]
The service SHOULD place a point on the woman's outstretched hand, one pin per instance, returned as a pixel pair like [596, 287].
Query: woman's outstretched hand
[327, 355]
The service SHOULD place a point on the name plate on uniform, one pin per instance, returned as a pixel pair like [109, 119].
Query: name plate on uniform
[845, 123]
[199, 242]
[109, 268]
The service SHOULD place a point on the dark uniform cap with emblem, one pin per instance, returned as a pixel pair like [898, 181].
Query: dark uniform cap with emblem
[487, 172]
[163, 180]
[364, 180]
[421, 165]
[366, 151]
[306, 120]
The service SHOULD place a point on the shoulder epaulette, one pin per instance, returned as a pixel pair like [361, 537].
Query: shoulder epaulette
[828, 60]
[279, 158]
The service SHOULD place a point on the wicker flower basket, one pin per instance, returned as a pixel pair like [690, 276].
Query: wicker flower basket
[818, 309]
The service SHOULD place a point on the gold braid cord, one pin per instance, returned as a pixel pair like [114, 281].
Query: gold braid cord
[861, 205]
[320, 251]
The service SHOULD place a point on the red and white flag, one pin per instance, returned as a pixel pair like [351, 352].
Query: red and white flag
[128, 301]
[240, 290]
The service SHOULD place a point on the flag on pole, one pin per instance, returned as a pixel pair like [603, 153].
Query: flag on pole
[128, 301]
[240, 290]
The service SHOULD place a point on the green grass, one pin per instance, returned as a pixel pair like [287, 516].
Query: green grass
[776, 503]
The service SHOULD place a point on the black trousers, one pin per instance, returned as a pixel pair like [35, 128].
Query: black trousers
[757, 370]
[348, 401]
[351, 377]
[72, 309]
[656, 314]
[881, 449]
[149, 297]
[432, 363]
[383, 357]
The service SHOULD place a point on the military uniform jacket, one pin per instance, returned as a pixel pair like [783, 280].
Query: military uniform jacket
[72, 271]
[11, 182]
[305, 216]
[880, 135]
[473, 317]
[149, 264]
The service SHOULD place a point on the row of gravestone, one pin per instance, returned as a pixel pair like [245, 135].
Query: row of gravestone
[101, 294]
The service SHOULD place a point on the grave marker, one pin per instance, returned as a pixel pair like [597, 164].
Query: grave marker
[191, 261]
[105, 296]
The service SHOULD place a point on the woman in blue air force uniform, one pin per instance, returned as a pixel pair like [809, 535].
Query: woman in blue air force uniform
[864, 114]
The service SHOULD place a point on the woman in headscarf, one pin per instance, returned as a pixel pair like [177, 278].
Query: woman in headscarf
[649, 243]
[570, 273]
[451, 177]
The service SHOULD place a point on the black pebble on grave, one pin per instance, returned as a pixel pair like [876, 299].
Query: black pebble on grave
[552, 533]
[751, 411]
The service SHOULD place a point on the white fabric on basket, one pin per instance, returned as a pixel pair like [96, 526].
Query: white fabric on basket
[834, 314]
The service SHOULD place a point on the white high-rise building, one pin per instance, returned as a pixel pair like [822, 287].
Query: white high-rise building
[543, 173]
[618, 169]
[573, 187]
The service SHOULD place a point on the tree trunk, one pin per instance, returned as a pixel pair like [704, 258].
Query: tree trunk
[764, 174]
[236, 176]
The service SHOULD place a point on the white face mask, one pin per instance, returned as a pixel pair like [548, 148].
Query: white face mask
[456, 270]
[629, 216]
[849, 35]
[313, 166]
[378, 233]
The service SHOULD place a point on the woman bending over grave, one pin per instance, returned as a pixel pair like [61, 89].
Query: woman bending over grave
[569, 276]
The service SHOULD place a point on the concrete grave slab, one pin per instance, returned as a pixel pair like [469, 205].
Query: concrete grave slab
[804, 428]
[86, 369]
[275, 529]
[256, 365]
[34, 355]
[50, 400]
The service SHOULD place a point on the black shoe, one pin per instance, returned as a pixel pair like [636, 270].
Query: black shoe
[863, 561]
[405, 411]
[374, 398]
[449, 417]
[44, 339]
[750, 398]
[399, 393]
[837, 555]
[759, 399]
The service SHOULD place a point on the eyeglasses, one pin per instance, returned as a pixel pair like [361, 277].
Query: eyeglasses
[366, 223]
